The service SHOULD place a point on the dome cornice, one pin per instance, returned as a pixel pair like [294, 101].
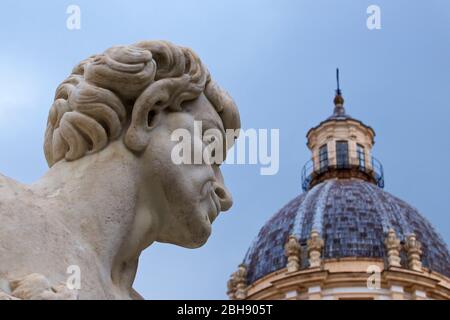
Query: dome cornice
[349, 273]
[331, 122]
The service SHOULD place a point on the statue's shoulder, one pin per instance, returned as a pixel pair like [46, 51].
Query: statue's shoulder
[10, 192]
[9, 187]
[3, 179]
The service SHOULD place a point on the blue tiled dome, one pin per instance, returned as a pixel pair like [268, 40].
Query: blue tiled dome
[353, 217]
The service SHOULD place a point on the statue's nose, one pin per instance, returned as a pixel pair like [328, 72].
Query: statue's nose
[224, 196]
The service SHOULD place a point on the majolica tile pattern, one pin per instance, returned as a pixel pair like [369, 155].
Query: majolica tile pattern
[353, 218]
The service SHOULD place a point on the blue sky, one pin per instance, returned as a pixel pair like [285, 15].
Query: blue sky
[277, 59]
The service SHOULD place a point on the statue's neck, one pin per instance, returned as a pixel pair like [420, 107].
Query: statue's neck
[99, 199]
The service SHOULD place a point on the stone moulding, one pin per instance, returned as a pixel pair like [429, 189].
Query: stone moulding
[343, 273]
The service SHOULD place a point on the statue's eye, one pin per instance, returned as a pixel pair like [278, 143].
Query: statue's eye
[208, 139]
[214, 148]
[211, 140]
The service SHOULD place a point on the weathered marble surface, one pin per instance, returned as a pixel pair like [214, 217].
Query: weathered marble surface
[112, 189]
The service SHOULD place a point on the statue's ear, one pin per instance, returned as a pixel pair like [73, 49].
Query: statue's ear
[162, 94]
[144, 118]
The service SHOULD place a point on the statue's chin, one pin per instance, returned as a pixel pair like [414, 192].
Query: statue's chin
[194, 234]
[198, 238]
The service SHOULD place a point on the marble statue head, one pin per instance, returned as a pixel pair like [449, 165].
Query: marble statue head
[138, 95]
[113, 187]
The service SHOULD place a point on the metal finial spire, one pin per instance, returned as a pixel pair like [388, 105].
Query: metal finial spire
[338, 99]
[338, 91]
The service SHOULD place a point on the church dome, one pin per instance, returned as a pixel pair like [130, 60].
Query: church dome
[344, 237]
[353, 217]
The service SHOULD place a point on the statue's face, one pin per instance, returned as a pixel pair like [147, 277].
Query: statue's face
[187, 197]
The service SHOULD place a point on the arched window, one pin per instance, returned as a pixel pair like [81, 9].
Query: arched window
[342, 154]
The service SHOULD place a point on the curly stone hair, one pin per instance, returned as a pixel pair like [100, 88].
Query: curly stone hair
[116, 92]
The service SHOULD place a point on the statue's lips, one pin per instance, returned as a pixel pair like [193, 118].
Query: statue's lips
[207, 193]
[216, 203]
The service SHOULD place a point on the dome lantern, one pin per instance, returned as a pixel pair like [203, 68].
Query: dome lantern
[341, 147]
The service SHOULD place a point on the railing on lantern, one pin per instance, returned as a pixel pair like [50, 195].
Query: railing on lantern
[315, 169]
